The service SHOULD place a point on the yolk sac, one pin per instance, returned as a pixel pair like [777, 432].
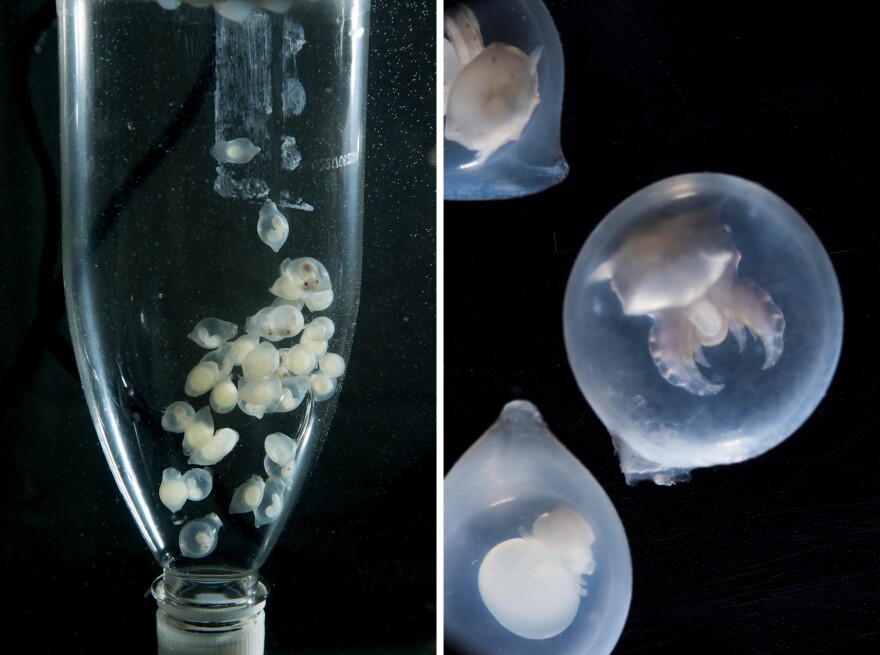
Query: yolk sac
[536, 558]
[532, 584]
[224, 396]
[177, 416]
[332, 365]
[199, 432]
[703, 323]
[301, 360]
[173, 491]
[235, 10]
[199, 483]
[260, 392]
[247, 496]
[222, 357]
[323, 387]
[201, 379]
[260, 362]
[198, 538]
[237, 151]
[257, 411]
[213, 332]
[320, 329]
[242, 346]
[317, 347]
[215, 449]
[503, 80]
[272, 227]
[272, 503]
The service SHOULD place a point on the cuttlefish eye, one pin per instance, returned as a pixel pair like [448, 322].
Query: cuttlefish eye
[503, 80]
[703, 323]
[536, 559]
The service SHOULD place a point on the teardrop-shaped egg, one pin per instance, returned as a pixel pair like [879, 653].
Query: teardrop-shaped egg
[272, 226]
[533, 548]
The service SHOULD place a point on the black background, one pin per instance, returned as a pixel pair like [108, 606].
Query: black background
[778, 554]
[355, 571]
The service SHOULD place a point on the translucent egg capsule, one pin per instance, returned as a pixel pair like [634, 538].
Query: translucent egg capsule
[218, 447]
[257, 411]
[240, 348]
[282, 323]
[247, 496]
[272, 503]
[503, 81]
[201, 379]
[272, 226]
[237, 151]
[265, 391]
[199, 431]
[317, 347]
[279, 447]
[199, 483]
[299, 304]
[323, 387]
[332, 365]
[224, 396]
[262, 361]
[222, 357]
[212, 332]
[235, 10]
[173, 490]
[283, 473]
[198, 538]
[177, 416]
[536, 558]
[319, 300]
[294, 390]
[301, 359]
[308, 273]
[703, 323]
[320, 329]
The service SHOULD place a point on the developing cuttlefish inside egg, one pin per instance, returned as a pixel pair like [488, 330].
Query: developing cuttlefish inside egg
[681, 271]
[490, 92]
[533, 584]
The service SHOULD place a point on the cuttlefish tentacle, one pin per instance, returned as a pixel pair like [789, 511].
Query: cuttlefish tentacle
[747, 304]
[464, 33]
[673, 346]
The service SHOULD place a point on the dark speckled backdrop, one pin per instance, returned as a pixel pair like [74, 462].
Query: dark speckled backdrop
[778, 554]
[355, 572]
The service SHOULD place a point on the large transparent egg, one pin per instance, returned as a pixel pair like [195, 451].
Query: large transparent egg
[535, 556]
[503, 78]
[703, 323]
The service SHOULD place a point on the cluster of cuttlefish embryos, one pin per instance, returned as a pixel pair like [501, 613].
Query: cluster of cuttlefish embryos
[271, 380]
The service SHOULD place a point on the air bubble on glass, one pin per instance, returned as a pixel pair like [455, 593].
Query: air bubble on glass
[198, 538]
[536, 558]
[703, 323]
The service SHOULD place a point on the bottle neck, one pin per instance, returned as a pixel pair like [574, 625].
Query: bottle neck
[215, 611]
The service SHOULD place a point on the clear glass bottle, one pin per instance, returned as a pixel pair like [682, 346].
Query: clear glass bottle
[211, 151]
